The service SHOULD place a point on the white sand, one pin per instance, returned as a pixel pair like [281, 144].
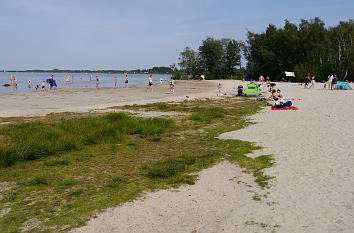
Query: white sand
[313, 148]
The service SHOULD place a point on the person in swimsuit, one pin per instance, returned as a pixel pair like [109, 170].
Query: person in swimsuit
[307, 80]
[274, 96]
[115, 82]
[312, 82]
[280, 94]
[29, 86]
[97, 82]
[126, 81]
[334, 82]
[150, 83]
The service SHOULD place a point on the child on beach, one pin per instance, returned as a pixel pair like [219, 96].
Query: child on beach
[29, 86]
[172, 86]
[43, 85]
[219, 89]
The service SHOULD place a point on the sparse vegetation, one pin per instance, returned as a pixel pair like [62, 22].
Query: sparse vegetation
[103, 160]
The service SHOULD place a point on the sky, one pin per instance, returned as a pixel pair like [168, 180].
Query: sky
[137, 34]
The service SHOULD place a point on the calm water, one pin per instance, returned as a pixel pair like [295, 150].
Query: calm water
[81, 80]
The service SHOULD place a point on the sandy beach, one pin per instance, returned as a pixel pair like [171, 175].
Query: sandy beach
[313, 189]
[83, 100]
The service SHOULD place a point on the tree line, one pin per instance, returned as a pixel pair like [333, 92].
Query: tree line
[308, 47]
[153, 70]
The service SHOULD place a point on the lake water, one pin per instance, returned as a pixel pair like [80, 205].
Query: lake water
[81, 80]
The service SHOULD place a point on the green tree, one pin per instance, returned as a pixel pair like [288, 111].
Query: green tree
[232, 58]
[187, 61]
[211, 54]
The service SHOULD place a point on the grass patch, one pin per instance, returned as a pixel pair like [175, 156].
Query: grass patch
[256, 166]
[68, 183]
[38, 139]
[256, 197]
[38, 180]
[108, 159]
[56, 162]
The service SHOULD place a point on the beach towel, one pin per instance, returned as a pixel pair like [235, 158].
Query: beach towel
[290, 108]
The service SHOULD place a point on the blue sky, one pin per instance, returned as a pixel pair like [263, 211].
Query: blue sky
[107, 34]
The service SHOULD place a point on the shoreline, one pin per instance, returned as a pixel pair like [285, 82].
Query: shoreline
[83, 100]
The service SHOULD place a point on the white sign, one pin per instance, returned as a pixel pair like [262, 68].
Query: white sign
[289, 74]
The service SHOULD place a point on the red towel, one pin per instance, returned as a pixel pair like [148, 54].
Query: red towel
[290, 108]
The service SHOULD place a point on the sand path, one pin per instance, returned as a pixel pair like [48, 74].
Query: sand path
[313, 190]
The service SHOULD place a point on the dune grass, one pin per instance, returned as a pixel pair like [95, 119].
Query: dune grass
[114, 159]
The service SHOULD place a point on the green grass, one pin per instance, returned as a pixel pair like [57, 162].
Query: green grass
[56, 162]
[105, 160]
[256, 166]
[38, 180]
[37, 139]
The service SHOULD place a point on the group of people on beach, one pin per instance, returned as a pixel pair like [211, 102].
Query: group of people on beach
[263, 80]
[171, 84]
[276, 95]
[309, 80]
[332, 82]
[51, 83]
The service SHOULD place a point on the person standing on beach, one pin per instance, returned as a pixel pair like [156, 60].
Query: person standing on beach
[126, 81]
[312, 82]
[330, 81]
[91, 77]
[29, 86]
[97, 82]
[334, 82]
[115, 82]
[307, 80]
[51, 83]
[43, 85]
[172, 85]
[151, 84]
